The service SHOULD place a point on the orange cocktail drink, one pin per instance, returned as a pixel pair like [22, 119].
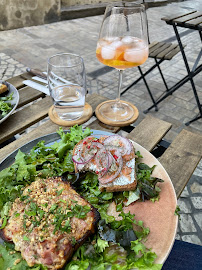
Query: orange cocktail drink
[122, 52]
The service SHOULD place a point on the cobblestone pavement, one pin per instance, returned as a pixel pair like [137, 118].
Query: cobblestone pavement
[31, 46]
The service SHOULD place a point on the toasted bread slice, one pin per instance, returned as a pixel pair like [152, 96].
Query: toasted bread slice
[125, 180]
[3, 88]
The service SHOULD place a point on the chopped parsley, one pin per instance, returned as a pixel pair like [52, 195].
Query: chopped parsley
[59, 192]
[25, 238]
[4, 223]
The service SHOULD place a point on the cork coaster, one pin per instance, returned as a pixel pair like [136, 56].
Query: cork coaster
[117, 123]
[87, 113]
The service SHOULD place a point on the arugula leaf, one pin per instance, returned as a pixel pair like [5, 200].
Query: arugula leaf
[146, 184]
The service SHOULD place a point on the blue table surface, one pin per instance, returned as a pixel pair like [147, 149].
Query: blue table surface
[184, 256]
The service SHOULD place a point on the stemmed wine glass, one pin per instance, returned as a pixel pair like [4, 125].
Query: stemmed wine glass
[123, 43]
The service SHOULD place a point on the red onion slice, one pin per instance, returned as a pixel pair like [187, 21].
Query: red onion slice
[110, 160]
[98, 145]
[87, 150]
[110, 157]
[77, 159]
[102, 161]
[109, 176]
[124, 145]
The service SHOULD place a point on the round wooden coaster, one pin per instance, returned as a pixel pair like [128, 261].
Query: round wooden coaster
[87, 113]
[117, 123]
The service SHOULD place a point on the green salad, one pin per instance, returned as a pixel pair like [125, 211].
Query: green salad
[116, 244]
[5, 106]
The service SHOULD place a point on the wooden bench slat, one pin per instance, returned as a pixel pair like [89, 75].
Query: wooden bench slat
[167, 51]
[177, 15]
[94, 100]
[153, 44]
[194, 22]
[159, 50]
[17, 81]
[155, 47]
[181, 158]
[24, 118]
[26, 76]
[100, 126]
[188, 17]
[170, 55]
[28, 94]
[149, 132]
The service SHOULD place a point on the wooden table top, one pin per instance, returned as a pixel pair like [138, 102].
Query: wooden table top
[180, 158]
[191, 19]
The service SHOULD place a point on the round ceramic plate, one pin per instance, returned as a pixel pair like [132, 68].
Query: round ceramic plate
[158, 216]
[14, 102]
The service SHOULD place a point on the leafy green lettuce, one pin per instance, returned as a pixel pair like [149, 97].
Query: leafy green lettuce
[12, 260]
[5, 107]
[112, 245]
[43, 161]
[99, 254]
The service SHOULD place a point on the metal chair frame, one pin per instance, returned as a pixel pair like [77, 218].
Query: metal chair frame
[157, 64]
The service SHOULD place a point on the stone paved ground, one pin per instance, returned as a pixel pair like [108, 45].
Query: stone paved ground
[30, 47]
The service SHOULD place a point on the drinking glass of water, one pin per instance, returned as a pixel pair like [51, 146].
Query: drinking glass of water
[67, 85]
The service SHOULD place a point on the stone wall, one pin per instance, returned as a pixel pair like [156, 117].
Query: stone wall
[84, 2]
[19, 13]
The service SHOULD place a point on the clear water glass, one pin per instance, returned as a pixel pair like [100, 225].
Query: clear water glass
[67, 85]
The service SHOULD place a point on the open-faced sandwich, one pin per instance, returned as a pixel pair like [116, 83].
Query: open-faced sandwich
[112, 158]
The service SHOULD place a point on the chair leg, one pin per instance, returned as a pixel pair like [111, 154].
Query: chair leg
[141, 77]
[161, 73]
[148, 89]
[131, 85]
